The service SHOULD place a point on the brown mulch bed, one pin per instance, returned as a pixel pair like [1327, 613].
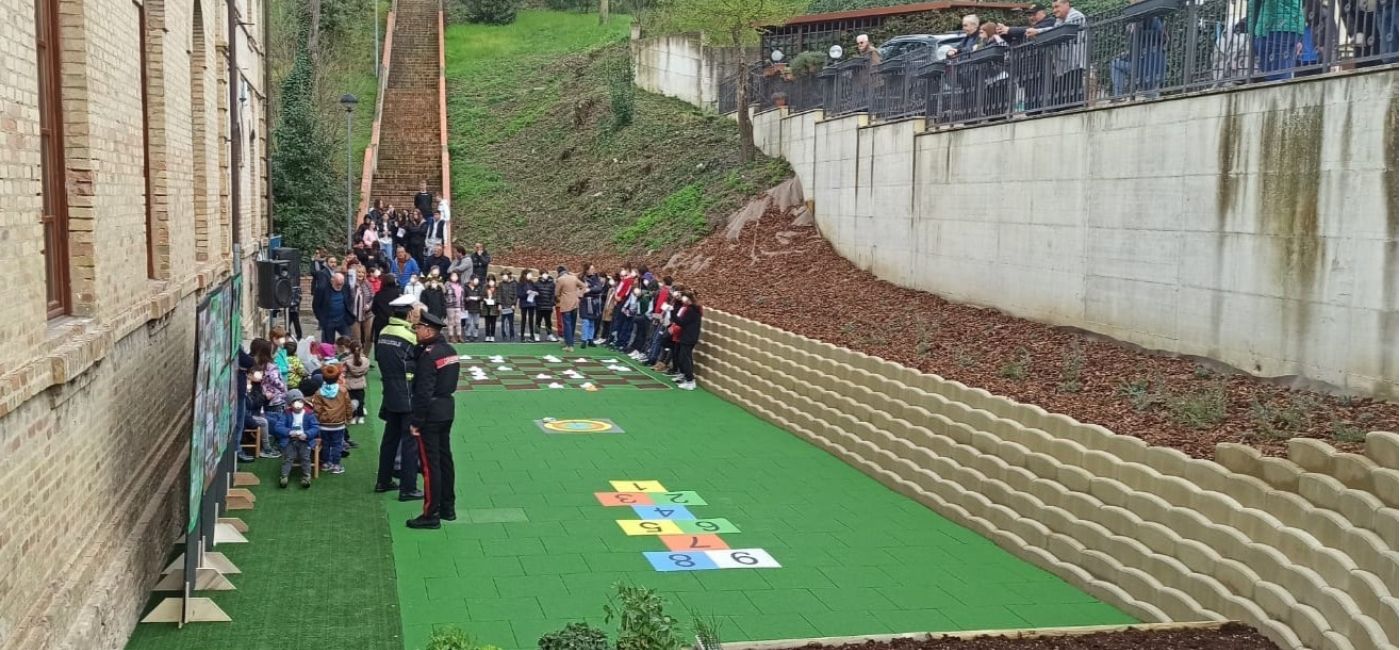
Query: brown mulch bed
[1231, 636]
[790, 277]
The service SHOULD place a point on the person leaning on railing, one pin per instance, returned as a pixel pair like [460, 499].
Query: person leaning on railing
[1067, 88]
[1036, 16]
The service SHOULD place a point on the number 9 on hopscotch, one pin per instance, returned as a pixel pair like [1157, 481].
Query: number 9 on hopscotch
[739, 558]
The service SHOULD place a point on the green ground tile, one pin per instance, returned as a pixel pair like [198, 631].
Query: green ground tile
[923, 596]
[799, 578]
[494, 515]
[569, 607]
[497, 633]
[854, 599]
[716, 603]
[554, 564]
[786, 601]
[764, 627]
[502, 609]
[857, 576]
[849, 623]
[512, 547]
[527, 586]
[915, 620]
[1071, 614]
[750, 580]
[982, 618]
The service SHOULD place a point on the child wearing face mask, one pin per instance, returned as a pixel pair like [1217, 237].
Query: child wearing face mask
[415, 287]
[434, 296]
[332, 406]
[296, 430]
[490, 308]
[454, 295]
[471, 308]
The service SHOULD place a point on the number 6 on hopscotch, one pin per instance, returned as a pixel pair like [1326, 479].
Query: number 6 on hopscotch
[741, 558]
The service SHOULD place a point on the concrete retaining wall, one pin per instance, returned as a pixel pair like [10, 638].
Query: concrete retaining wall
[1306, 552]
[682, 66]
[1256, 227]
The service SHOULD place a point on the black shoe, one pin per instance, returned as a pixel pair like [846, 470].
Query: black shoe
[352, 444]
[345, 453]
[416, 495]
[305, 482]
[380, 488]
[424, 522]
[282, 482]
[448, 514]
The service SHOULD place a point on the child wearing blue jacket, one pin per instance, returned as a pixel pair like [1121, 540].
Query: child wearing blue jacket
[296, 431]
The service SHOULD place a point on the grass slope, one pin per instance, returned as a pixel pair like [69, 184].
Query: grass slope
[535, 162]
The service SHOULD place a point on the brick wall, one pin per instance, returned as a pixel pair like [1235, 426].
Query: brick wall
[95, 407]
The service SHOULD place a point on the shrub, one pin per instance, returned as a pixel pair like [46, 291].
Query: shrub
[1018, 368]
[492, 12]
[642, 621]
[1200, 409]
[451, 638]
[1347, 432]
[575, 636]
[1140, 393]
[807, 64]
[1283, 421]
[1071, 373]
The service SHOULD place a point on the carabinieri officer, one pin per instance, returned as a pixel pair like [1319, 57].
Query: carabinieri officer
[434, 382]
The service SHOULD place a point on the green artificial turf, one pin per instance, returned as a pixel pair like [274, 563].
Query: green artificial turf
[533, 548]
[318, 570]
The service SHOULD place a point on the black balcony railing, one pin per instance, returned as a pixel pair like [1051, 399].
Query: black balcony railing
[1141, 51]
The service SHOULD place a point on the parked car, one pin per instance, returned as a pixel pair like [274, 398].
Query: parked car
[907, 43]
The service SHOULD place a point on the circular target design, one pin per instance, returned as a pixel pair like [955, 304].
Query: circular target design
[578, 426]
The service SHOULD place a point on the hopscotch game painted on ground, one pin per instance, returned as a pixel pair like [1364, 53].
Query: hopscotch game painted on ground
[519, 372]
[693, 544]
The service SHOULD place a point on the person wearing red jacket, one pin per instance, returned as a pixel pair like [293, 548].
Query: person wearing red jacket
[622, 330]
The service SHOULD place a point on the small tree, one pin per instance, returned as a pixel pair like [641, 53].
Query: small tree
[492, 12]
[737, 24]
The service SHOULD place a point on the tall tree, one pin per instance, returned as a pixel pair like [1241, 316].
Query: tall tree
[304, 183]
[313, 36]
[737, 24]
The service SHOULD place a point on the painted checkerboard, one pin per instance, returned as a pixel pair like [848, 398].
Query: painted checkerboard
[553, 372]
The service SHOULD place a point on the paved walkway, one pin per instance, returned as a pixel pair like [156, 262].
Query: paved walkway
[534, 547]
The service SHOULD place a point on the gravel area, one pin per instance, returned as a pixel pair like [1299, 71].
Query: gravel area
[789, 277]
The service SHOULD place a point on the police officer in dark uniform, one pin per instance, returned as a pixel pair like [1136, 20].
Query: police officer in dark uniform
[394, 353]
[434, 382]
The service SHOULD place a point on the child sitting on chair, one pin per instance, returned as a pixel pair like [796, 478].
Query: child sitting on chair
[296, 430]
[333, 409]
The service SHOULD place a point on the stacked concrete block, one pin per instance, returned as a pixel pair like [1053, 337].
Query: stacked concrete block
[1176, 538]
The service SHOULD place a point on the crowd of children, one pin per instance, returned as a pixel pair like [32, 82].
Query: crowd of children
[301, 395]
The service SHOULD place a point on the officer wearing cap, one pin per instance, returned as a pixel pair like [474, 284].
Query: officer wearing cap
[434, 382]
[394, 354]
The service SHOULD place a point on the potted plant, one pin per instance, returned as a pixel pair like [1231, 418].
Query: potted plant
[807, 64]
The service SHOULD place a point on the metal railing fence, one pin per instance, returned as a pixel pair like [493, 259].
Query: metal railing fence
[1141, 51]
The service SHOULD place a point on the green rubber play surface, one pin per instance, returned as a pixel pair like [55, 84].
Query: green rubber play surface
[710, 499]
[535, 547]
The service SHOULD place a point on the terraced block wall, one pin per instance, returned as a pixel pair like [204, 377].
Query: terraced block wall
[1303, 548]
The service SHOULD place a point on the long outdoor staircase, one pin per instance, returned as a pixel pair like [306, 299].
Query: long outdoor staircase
[410, 148]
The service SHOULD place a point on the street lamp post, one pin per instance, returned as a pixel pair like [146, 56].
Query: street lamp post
[348, 101]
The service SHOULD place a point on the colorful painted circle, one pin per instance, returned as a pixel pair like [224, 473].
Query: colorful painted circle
[578, 426]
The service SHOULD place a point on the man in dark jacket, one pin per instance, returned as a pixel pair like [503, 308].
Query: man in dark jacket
[437, 261]
[481, 262]
[1037, 18]
[415, 240]
[335, 308]
[508, 291]
[423, 200]
[434, 380]
[394, 355]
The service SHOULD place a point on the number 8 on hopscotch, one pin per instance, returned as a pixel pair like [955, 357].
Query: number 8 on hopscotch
[739, 558]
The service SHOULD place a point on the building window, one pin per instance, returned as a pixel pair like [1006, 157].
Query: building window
[55, 210]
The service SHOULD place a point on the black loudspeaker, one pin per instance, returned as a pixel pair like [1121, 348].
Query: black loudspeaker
[274, 284]
[293, 259]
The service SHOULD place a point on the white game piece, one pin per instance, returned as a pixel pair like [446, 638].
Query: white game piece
[609, 360]
[503, 368]
[587, 386]
[581, 360]
[743, 558]
[556, 385]
[543, 376]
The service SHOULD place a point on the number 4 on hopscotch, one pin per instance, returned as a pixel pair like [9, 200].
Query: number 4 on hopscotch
[739, 558]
